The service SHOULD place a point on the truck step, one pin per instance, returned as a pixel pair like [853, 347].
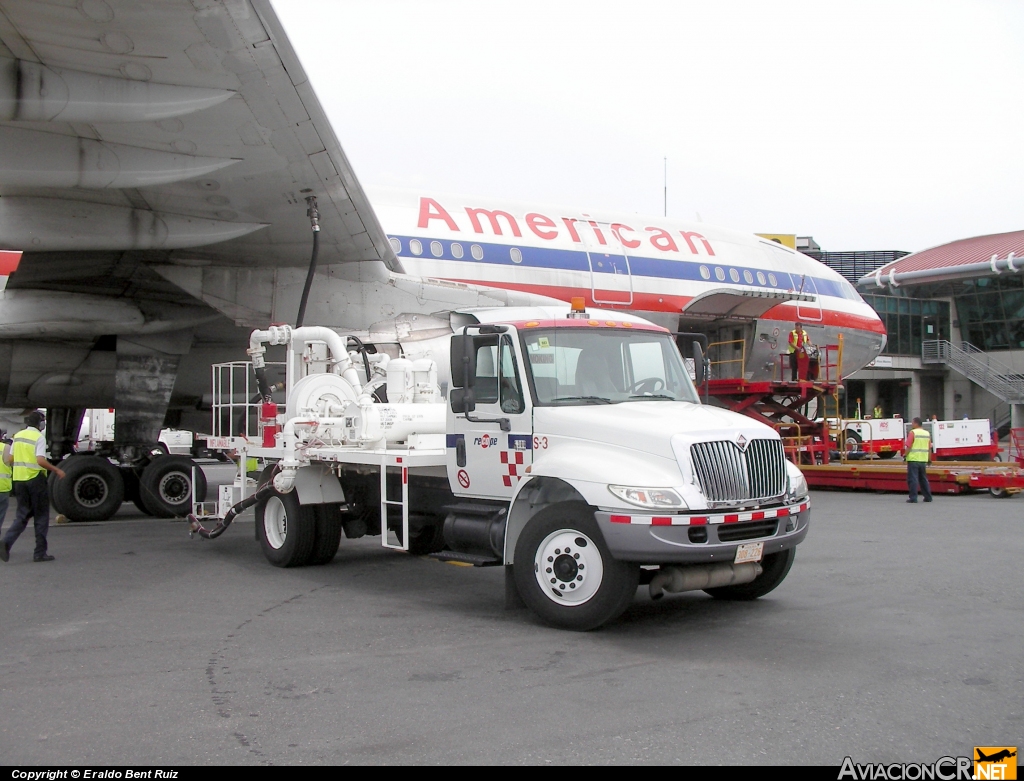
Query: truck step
[466, 558]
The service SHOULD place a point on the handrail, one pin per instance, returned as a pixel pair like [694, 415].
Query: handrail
[978, 366]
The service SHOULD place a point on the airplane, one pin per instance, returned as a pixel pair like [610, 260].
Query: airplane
[997, 757]
[169, 181]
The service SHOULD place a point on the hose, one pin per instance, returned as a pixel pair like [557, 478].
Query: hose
[195, 527]
[314, 220]
[362, 349]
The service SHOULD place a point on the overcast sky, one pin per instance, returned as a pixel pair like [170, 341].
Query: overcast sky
[868, 125]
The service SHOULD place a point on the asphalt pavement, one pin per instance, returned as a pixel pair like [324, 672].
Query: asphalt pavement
[896, 638]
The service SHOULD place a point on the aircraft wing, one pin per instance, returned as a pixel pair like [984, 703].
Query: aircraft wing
[174, 133]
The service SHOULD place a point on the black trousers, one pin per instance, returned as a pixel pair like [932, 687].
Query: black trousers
[34, 501]
[917, 475]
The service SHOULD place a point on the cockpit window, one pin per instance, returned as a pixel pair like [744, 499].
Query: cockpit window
[589, 366]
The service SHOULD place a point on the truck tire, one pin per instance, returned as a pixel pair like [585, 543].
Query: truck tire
[853, 442]
[328, 533]
[776, 566]
[51, 490]
[564, 572]
[287, 529]
[427, 539]
[91, 490]
[1000, 493]
[165, 486]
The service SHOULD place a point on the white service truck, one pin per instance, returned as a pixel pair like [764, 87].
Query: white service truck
[569, 447]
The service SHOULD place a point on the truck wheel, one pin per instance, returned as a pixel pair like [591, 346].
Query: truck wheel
[287, 530]
[51, 490]
[564, 572]
[853, 441]
[165, 486]
[1000, 493]
[427, 539]
[328, 533]
[91, 490]
[776, 566]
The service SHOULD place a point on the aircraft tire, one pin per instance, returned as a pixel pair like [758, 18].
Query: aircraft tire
[92, 489]
[51, 489]
[775, 568]
[287, 529]
[165, 487]
[553, 546]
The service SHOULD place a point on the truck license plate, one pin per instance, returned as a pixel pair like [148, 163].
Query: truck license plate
[747, 552]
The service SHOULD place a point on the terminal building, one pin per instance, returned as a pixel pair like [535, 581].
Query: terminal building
[955, 319]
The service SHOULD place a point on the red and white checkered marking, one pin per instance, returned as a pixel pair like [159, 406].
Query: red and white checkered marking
[701, 520]
[513, 459]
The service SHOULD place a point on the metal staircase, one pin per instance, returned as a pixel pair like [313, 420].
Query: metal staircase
[978, 366]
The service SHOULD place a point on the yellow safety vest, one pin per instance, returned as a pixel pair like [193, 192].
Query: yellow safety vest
[5, 478]
[24, 451]
[921, 446]
[798, 340]
[877, 412]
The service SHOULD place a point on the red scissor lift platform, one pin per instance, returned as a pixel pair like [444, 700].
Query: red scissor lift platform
[785, 405]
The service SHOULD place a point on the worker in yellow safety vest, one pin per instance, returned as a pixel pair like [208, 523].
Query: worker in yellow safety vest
[918, 448]
[27, 458]
[799, 343]
[5, 479]
[877, 412]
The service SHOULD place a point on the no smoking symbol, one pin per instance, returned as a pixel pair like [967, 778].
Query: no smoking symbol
[463, 478]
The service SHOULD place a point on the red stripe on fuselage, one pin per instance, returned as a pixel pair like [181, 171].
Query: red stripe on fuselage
[661, 302]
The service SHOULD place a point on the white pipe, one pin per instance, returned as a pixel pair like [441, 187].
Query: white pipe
[297, 337]
[284, 480]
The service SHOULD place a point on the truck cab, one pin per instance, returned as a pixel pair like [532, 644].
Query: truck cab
[568, 446]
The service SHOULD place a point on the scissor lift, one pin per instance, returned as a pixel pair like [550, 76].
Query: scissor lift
[785, 405]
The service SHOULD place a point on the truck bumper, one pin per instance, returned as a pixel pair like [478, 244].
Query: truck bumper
[693, 538]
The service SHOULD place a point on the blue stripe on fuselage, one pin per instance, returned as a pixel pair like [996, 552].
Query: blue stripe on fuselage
[656, 268]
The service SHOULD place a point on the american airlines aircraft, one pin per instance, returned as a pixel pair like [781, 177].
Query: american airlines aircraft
[683, 275]
[157, 165]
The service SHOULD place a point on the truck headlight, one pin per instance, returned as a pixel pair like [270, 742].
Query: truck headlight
[651, 498]
[797, 482]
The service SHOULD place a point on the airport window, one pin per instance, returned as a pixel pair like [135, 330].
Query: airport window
[774, 282]
[734, 275]
[909, 321]
[991, 312]
[748, 277]
[516, 254]
[477, 251]
[719, 273]
[705, 272]
[416, 246]
[761, 278]
[436, 249]
[456, 250]
[396, 245]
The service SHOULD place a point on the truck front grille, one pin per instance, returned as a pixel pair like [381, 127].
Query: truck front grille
[728, 475]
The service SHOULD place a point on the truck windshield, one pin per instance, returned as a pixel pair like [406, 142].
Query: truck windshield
[608, 365]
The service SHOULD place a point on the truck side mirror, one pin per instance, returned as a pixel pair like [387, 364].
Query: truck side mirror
[698, 363]
[463, 400]
[463, 361]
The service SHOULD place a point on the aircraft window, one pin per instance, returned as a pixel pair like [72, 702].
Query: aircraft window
[705, 272]
[719, 274]
[396, 245]
[734, 275]
[456, 250]
[436, 249]
[416, 246]
[477, 251]
[761, 279]
[748, 277]
[773, 280]
[517, 255]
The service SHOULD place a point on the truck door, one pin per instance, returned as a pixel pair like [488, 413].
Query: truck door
[489, 462]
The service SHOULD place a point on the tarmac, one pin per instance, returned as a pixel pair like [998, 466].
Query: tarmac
[895, 638]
